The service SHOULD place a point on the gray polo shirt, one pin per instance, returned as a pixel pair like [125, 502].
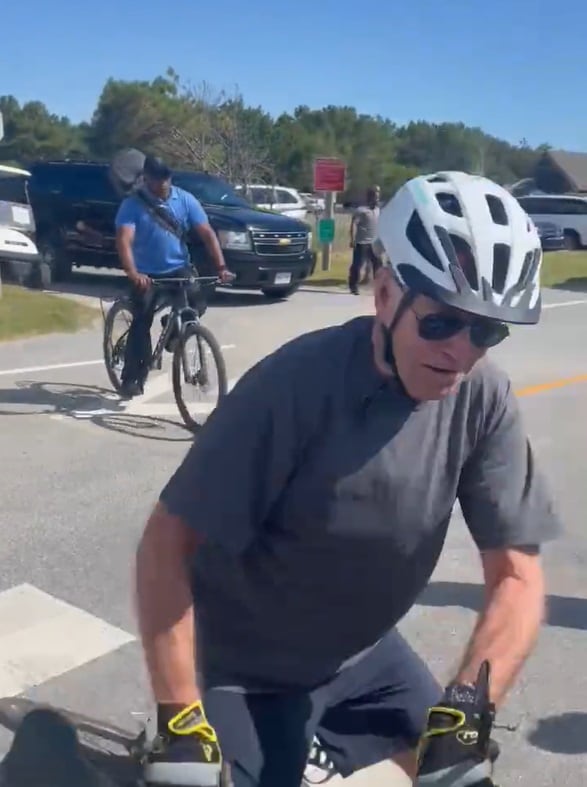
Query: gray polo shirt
[366, 220]
[324, 495]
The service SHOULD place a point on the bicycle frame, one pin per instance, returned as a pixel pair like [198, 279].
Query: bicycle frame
[181, 313]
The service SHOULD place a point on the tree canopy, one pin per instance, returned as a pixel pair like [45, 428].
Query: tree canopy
[197, 128]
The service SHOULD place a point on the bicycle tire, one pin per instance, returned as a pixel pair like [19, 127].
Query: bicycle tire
[117, 307]
[196, 329]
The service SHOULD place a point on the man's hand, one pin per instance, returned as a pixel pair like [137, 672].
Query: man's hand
[140, 281]
[456, 743]
[226, 276]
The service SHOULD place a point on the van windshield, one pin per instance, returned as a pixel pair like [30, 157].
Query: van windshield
[13, 188]
[209, 190]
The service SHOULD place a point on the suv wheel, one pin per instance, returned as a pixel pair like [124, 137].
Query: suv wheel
[572, 242]
[56, 259]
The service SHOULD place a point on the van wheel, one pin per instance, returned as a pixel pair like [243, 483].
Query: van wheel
[56, 259]
[572, 242]
[40, 277]
[279, 293]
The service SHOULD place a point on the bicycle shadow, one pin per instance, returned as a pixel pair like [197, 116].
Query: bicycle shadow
[90, 403]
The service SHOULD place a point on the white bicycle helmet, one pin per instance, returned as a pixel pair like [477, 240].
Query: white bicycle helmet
[465, 241]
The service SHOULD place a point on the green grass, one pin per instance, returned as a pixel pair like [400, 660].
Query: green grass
[560, 269]
[29, 313]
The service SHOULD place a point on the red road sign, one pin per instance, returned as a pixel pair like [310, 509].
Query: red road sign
[329, 174]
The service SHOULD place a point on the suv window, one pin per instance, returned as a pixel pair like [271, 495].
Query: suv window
[91, 184]
[536, 206]
[261, 196]
[209, 190]
[574, 207]
[284, 197]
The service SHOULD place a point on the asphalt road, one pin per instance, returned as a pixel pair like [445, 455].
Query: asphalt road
[80, 473]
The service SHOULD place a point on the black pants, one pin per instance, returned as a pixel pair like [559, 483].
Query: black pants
[367, 713]
[138, 348]
[362, 253]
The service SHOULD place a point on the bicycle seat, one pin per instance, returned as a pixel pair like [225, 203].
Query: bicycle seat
[46, 752]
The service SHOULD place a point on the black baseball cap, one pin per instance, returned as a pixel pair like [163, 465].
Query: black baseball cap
[156, 168]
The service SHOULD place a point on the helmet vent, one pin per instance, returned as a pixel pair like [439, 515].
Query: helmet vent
[531, 262]
[466, 260]
[449, 203]
[420, 240]
[497, 210]
[501, 263]
[438, 179]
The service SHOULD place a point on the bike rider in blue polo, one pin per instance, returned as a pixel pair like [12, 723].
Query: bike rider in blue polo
[148, 250]
[309, 514]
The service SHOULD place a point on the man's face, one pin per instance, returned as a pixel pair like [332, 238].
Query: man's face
[373, 196]
[429, 369]
[160, 188]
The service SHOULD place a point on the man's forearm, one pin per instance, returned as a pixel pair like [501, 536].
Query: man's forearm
[505, 633]
[215, 251]
[126, 259]
[166, 614]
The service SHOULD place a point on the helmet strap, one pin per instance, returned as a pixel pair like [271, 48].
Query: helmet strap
[405, 302]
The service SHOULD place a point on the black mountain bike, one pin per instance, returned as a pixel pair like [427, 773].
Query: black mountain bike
[179, 329]
[56, 747]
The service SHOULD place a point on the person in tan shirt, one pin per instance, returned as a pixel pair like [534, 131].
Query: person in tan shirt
[363, 235]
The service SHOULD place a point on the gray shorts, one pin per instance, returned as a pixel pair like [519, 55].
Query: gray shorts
[369, 711]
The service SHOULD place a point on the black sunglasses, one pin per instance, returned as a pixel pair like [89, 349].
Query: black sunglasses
[483, 333]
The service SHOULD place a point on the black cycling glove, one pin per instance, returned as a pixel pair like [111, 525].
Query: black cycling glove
[456, 750]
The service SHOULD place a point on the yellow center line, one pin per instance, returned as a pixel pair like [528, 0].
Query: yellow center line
[531, 390]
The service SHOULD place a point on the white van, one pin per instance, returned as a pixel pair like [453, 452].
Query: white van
[281, 199]
[566, 210]
[17, 223]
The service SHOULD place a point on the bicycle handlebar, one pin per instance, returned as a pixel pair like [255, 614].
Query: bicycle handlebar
[184, 280]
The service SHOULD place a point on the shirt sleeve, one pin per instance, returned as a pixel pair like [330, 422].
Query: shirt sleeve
[240, 461]
[126, 216]
[196, 214]
[503, 494]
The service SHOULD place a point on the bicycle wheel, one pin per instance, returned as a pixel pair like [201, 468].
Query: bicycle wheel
[199, 377]
[114, 350]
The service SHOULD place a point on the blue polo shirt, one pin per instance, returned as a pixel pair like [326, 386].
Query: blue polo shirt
[157, 250]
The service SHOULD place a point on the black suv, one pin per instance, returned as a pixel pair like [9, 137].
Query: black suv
[74, 205]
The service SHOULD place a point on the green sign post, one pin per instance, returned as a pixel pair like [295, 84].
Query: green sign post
[326, 231]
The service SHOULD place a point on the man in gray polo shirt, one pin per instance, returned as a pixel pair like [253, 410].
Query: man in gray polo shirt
[363, 232]
[311, 511]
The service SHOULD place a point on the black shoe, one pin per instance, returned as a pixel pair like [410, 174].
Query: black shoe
[319, 768]
[129, 390]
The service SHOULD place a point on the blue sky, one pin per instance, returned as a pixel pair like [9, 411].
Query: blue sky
[514, 67]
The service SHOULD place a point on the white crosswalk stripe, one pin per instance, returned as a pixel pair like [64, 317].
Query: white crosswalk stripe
[42, 637]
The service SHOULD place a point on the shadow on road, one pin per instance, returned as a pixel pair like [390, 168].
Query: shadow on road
[577, 284]
[90, 403]
[564, 734]
[566, 611]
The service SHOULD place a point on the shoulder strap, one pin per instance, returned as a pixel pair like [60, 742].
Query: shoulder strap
[159, 213]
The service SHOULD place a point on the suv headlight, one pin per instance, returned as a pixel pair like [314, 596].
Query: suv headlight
[231, 239]
[310, 239]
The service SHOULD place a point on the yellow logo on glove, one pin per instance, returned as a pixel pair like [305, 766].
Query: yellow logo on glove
[192, 721]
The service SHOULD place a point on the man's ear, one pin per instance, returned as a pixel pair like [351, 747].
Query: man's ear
[387, 294]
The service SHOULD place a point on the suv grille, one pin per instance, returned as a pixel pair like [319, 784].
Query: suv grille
[282, 243]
